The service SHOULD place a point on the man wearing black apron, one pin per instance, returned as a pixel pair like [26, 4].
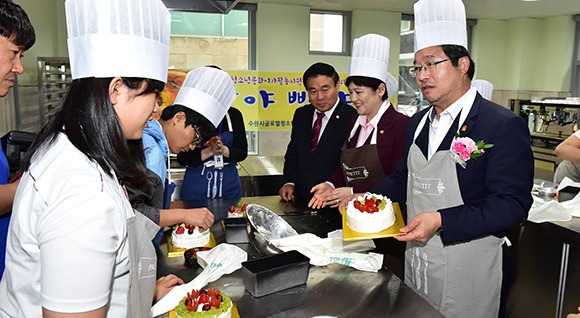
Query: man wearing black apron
[459, 202]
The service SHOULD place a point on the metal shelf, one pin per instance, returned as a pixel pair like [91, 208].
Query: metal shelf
[54, 78]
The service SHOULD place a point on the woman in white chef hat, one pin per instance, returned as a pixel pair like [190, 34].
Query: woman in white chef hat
[376, 140]
[75, 245]
[484, 88]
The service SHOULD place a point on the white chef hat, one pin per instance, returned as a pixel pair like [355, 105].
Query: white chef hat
[370, 57]
[392, 85]
[439, 22]
[208, 91]
[484, 88]
[108, 38]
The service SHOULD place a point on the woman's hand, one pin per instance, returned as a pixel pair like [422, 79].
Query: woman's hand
[336, 197]
[164, 285]
[201, 217]
[344, 201]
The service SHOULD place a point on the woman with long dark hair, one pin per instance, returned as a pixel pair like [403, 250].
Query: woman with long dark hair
[75, 245]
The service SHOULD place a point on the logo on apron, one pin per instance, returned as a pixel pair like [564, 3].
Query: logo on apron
[355, 173]
[427, 186]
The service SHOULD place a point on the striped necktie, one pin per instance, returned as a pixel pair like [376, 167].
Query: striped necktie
[316, 131]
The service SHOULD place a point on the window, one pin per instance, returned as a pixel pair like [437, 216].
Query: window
[225, 40]
[330, 32]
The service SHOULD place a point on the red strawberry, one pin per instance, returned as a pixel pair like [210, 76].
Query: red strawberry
[232, 209]
[180, 230]
[214, 302]
[369, 201]
[362, 208]
[356, 204]
[203, 298]
[244, 207]
[374, 209]
[369, 208]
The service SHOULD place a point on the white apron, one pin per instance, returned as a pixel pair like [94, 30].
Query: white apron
[459, 280]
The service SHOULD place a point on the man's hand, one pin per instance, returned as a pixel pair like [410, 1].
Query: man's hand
[320, 191]
[286, 192]
[421, 228]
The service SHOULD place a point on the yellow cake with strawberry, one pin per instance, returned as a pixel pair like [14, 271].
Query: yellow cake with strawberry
[370, 213]
[205, 303]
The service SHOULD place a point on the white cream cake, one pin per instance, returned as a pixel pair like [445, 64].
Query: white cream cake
[189, 236]
[370, 213]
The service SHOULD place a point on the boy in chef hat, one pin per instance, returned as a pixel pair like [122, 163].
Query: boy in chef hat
[485, 88]
[203, 99]
[458, 208]
[75, 244]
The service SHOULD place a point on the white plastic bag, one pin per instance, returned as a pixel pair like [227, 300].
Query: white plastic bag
[220, 260]
[323, 251]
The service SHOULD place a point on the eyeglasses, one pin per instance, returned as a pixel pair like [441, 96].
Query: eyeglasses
[430, 66]
[197, 139]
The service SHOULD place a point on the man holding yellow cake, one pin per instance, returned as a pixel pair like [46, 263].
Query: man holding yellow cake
[466, 175]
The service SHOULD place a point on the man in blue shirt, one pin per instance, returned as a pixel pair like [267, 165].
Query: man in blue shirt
[16, 36]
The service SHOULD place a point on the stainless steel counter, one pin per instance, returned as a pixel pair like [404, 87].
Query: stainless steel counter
[262, 166]
[261, 175]
[547, 271]
[333, 290]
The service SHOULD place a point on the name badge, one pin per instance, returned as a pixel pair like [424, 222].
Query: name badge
[218, 161]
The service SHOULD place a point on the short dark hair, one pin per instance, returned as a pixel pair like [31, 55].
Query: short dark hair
[92, 126]
[455, 52]
[15, 25]
[193, 118]
[372, 83]
[320, 69]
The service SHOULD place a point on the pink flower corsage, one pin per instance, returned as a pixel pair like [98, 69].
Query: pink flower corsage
[464, 148]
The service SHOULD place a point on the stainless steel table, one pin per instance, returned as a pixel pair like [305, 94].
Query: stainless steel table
[333, 290]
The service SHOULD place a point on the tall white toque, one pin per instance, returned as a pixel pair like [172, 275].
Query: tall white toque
[440, 22]
[370, 57]
[208, 91]
[108, 38]
[485, 88]
[392, 85]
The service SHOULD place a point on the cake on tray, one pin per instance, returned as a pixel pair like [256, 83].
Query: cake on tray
[370, 213]
[205, 303]
[189, 236]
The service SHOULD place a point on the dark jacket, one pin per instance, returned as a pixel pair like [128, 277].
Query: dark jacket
[495, 188]
[301, 167]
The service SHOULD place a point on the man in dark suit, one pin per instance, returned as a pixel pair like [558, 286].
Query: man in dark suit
[460, 200]
[314, 149]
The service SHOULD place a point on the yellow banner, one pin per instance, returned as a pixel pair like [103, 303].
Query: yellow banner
[267, 100]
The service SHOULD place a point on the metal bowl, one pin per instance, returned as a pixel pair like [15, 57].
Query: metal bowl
[544, 189]
[265, 226]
